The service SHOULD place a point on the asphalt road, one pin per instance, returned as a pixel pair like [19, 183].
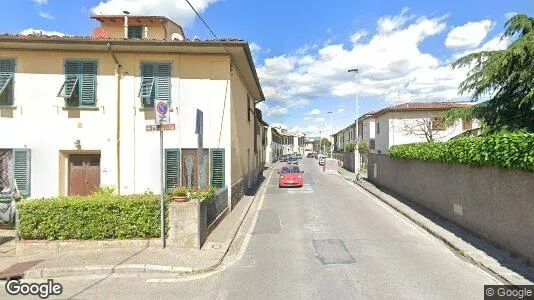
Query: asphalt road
[327, 240]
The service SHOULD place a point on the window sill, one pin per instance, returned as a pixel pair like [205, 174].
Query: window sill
[8, 107]
[146, 109]
[83, 108]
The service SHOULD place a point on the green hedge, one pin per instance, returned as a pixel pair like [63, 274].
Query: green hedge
[94, 217]
[510, 150]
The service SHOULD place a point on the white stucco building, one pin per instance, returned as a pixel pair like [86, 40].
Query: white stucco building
[74, 111]
[416, 122]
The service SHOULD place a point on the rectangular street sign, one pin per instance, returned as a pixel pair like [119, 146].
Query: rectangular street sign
[160, 127]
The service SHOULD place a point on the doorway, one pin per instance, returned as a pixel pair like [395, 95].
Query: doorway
[84, 174]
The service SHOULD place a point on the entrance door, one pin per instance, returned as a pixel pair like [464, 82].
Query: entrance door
[84, 174]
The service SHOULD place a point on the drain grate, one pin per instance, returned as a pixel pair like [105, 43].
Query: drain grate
[16, 271]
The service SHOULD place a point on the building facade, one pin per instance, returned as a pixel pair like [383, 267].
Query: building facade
[75, 110]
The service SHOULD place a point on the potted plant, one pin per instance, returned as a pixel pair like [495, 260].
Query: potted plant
[180, 194]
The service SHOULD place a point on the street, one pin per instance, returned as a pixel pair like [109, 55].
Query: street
[327, 240]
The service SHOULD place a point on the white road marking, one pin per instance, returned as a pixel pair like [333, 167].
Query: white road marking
[238, 256]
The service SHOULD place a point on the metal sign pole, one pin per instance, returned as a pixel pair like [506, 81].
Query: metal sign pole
[162, 192]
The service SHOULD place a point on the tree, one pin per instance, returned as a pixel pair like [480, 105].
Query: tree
[350, 146]
[508, 75]
[363, 147]
[426, 127]
[325, 145]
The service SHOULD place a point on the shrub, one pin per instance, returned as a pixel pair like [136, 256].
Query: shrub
[96, 217]
[505, 150]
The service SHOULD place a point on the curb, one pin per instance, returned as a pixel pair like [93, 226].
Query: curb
[456, 249]
[103, 270]
[40, 273]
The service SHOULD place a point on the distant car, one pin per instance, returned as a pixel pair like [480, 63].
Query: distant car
[299, 156]
[292, 160]
[290, 176]
[283, 158]
[310, 155]
[321, 160]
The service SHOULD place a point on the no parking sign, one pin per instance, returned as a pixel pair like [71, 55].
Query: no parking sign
[162, 112]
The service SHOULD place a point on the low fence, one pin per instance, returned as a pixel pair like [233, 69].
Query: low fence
[496, 204]
[216, 207]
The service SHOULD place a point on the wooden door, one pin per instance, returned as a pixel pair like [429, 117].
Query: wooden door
[84, 174]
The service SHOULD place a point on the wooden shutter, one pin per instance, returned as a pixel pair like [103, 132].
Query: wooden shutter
[163, 82]
[172, 168]
[72, 71]
[88, 83]
[21, 170]
[217, 167]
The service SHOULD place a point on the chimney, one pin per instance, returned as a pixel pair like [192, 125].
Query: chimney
[126, 13]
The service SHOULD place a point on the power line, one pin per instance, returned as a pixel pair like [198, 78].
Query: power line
[207, 26]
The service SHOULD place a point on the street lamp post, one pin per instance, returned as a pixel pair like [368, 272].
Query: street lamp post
[356, 152]
[331, 135]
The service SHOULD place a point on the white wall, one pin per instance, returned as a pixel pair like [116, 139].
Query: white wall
[40, 123]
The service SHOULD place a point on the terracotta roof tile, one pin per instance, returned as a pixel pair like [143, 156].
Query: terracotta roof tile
[417, 106]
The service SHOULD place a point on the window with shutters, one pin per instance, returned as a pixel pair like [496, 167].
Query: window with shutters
[135, 32]
[79, 87]
[155, 83]
[172, 169]
[7, 74]
[217, 167]
[15, 171]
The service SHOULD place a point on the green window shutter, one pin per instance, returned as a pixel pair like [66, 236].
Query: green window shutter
[163, 82]
[72, 71]
[217, 167]
[147, 90]
[21, 170]
[88, 83]
[172, 168]
[7, 72]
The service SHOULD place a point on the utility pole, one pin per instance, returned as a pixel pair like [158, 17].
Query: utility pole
[331, 135]
[357, 139]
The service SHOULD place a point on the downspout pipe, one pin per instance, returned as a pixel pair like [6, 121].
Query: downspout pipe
[118, 68]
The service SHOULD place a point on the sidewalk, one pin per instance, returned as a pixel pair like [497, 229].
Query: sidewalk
[140, 260]
[462, 242]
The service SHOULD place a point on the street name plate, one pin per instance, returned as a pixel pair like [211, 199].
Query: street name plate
[160, 127]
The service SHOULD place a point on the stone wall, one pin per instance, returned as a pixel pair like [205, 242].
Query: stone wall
[497, 204]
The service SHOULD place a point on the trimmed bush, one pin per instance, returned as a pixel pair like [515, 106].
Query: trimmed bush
[96, 217]
[508, 150]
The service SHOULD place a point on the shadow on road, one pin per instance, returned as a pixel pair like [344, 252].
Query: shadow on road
[506, 259]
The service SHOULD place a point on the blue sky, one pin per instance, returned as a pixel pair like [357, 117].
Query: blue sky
[302, 49]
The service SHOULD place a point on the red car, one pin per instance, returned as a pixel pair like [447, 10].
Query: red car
[290, 175]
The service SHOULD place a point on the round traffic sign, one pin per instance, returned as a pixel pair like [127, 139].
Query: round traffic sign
[162, 108]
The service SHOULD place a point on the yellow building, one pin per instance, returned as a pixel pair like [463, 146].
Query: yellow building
[75, 110]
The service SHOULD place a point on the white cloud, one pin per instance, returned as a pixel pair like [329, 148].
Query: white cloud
[387, 60]
[389, 23]
[298, 103]
[40, 31]
[275, 111]
[176, 10]
[46, 15]
[469, 35]
[281, 125]
[40, 2]
[496, 43]
[340, 110]
[314, 112]
[508, 15]
[320, 120]
[358, 35]
[254, 47]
